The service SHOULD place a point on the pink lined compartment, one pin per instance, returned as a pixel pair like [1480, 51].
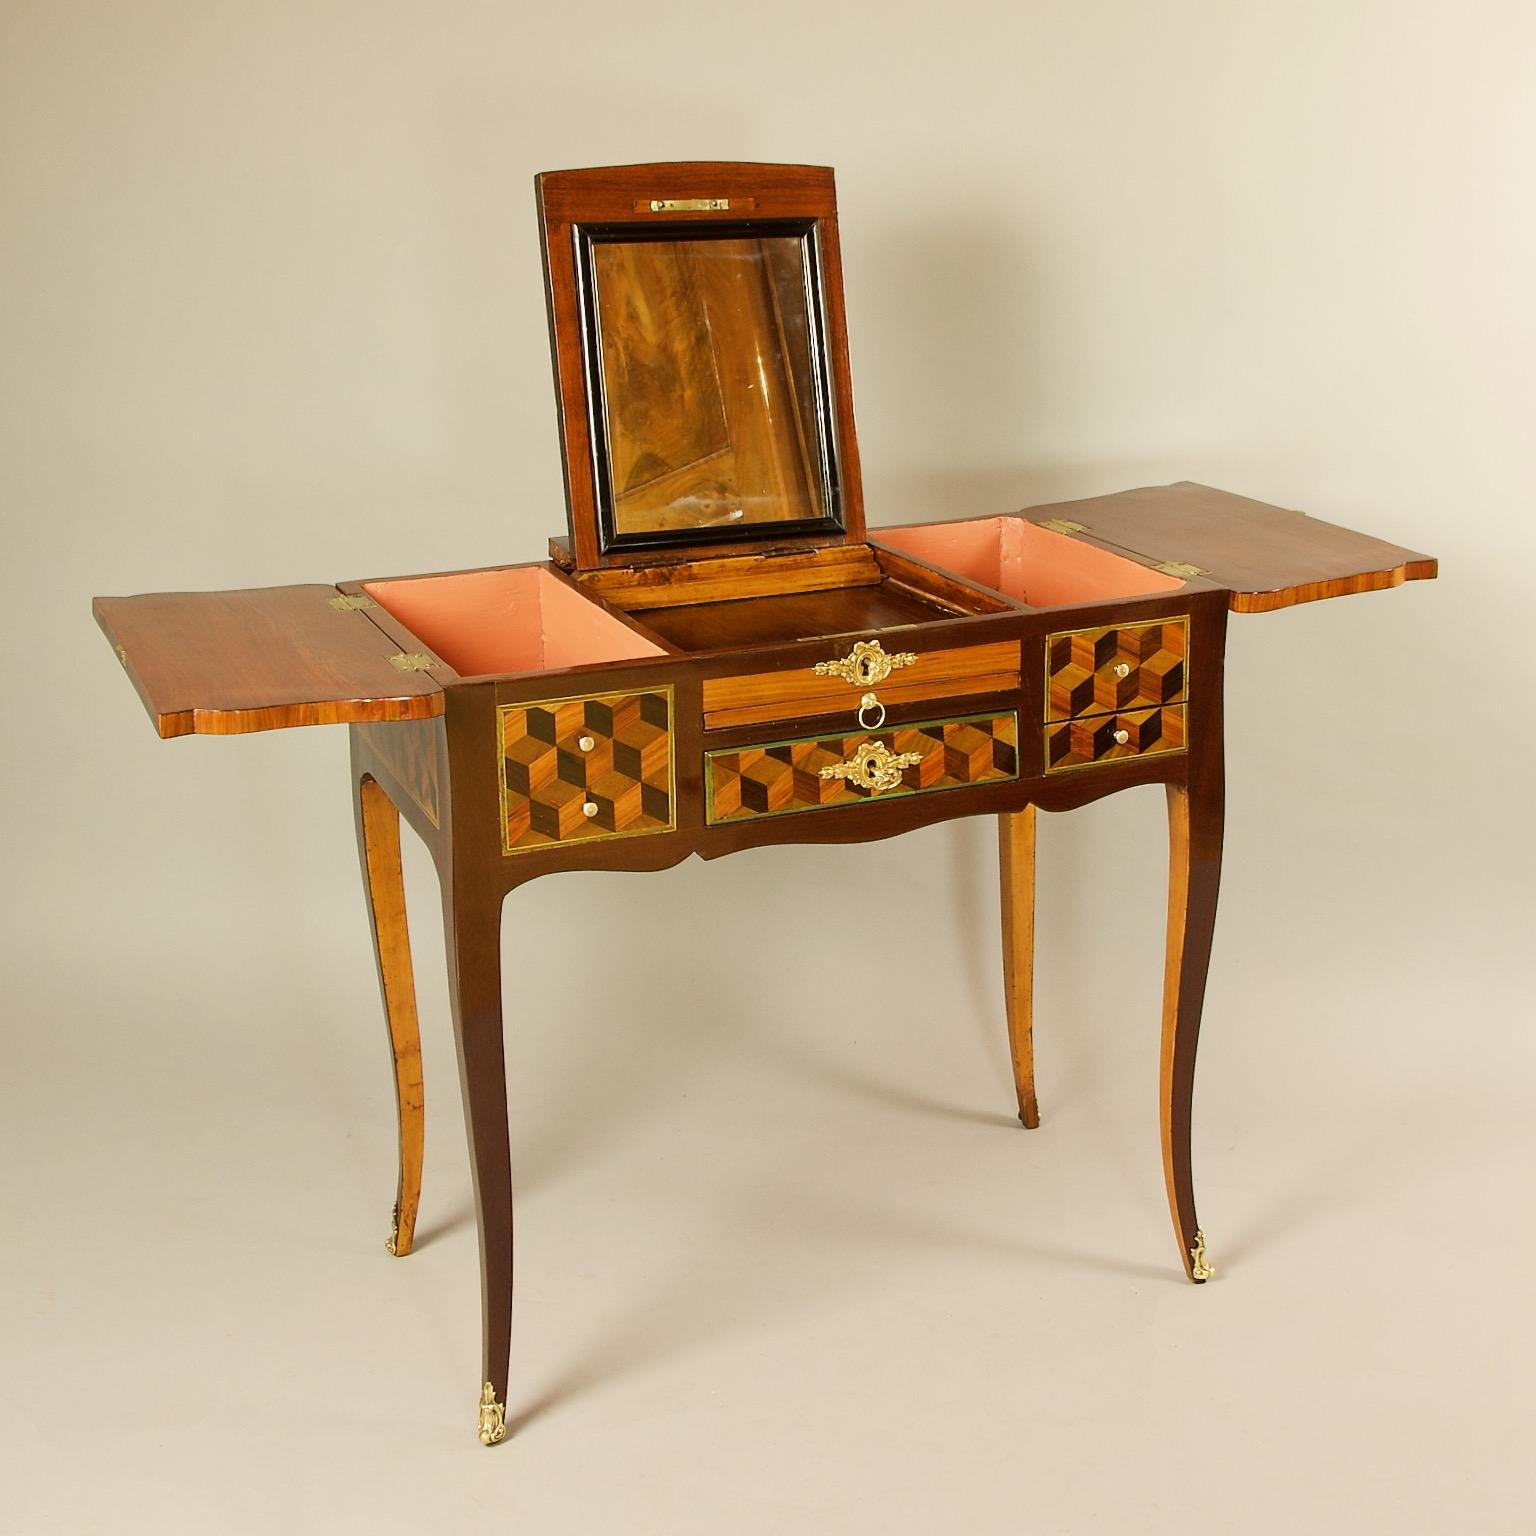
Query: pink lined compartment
[518, 618]
[1016, 557]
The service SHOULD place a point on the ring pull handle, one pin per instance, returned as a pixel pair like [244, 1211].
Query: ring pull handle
[866, 704]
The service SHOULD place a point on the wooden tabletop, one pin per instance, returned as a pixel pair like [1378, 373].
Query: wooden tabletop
[224, 663]
[1269, 556]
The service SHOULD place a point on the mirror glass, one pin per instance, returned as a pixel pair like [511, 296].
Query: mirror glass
[711, 411]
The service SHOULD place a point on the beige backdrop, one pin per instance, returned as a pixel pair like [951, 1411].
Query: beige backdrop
[272, 313]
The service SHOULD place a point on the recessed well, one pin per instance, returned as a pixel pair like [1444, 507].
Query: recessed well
[516, 619]
[1024, 561]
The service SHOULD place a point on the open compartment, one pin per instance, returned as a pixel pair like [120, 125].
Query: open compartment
[701, 370]
[736, 603]
[519, 618]
[1030, 564]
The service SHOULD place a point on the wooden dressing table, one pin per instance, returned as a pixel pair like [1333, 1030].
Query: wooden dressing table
[720, 656]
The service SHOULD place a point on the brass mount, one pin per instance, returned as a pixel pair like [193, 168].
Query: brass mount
[873, 767]
[865, 665]
[493, 1417]
[1199, 1265]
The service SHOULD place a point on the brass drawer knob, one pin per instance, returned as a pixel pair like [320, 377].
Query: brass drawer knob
[1121, 737]
[873, 767]
[1122, 669]
[589, 809]
[586, 743]
[865, 665]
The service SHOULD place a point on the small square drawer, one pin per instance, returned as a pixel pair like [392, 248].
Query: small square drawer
[816, 773]
[573, 770]
[1123, 666]
[1112, 738]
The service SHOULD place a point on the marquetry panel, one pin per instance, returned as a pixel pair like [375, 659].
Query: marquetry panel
[1122, 666]
[777, 778]
[412, 750]
[573, 770]
[1095, 739]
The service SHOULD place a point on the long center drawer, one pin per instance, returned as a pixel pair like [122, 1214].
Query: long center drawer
[835, 685]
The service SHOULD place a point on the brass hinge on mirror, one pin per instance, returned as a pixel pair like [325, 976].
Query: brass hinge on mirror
[411, 661]
[1063, 525]
[1181, 568]
[690, 204]
[348, 600]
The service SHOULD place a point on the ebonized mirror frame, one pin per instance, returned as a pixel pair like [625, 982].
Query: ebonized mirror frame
[821, 468]
[580, 210]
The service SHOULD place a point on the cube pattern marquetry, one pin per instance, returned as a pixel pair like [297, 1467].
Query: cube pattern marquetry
[1123, 666]
[577, 769]
[784, 776]
[1092, 739]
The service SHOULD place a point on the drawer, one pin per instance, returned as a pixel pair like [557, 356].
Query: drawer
[1097, 738]
[1120, 667]
[834, 685]
[575, 770]
[817, 773]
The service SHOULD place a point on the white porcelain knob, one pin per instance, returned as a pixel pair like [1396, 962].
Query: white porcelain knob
[1121, 737]
[1123, 669]
[589, 810]
[586, 743]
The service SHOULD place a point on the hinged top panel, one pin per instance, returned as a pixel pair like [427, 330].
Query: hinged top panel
[224, 663]
[1270, 557]
[701, 359]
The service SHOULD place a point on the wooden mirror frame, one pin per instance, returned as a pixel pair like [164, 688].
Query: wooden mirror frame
[696, 200]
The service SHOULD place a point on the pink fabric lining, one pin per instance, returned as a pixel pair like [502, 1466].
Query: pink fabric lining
[1014, 556]
[519, 618]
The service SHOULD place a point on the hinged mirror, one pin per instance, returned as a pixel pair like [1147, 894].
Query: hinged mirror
[700, 358]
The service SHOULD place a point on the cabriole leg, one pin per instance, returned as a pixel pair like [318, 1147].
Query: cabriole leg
[472, 931]
[1194, 875]
[378, 840]
[1016, 850]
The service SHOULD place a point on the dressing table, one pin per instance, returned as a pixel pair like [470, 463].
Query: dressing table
[721, 655]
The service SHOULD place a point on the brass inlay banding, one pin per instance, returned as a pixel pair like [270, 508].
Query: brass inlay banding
[1133, 707]
[503, 710]
[1175, 722]
[1008, 732]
